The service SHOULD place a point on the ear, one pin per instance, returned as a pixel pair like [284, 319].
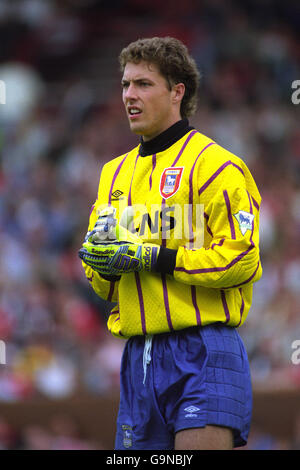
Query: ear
[178, 91]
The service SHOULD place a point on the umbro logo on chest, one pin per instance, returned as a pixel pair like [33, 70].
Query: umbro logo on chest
[117, 195]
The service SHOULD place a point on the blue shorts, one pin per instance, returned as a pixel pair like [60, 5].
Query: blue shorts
[196, 377]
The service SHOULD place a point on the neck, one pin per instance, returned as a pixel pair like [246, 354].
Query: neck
[164, 140]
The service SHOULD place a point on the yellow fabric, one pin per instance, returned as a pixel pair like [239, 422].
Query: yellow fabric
[214, 271]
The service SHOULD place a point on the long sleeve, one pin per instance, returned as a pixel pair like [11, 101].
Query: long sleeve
[231, 259]
[105, 288]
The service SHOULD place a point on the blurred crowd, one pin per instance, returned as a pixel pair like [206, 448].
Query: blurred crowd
[61, 432]
[64, 433]
[63, 119]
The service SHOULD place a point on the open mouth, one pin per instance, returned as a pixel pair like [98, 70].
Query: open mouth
[134, 112]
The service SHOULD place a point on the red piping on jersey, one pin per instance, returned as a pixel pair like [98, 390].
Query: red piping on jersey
[153, 168]
[217, 244]
[225, 306]
[214, 176]
[255, 203]
[129, 195]
[114, 178]
[230, 219]
[251, 212]
[184, 145]
[214, 270]
[92, 208]
[118, 318]
[247, 280]
[166, 301]
[190, 223]
[114, 312]
[141, 302]
[194, 300]
[111, 291]
[206, 216]
[242, 307]
[164, 242]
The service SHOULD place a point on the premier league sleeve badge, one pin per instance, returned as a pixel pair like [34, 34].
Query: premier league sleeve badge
[245, 220]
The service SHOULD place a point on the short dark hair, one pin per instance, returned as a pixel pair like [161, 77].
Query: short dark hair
[174, 62]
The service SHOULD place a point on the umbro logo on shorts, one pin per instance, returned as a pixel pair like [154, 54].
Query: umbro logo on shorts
[191, 410]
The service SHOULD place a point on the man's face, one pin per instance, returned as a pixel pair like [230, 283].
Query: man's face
[150, 105]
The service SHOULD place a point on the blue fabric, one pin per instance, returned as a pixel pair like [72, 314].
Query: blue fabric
[196, 377]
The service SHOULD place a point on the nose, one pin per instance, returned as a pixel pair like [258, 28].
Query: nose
[130, 93]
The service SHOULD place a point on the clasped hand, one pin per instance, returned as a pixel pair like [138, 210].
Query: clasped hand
[111, 249]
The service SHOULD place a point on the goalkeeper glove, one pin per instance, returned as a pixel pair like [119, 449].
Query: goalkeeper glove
[111, 249]
[107, 229]
[117, 258]
[104, 229]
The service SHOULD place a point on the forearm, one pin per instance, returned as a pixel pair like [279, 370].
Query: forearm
[223, 265]
[107, 289]
[166, 261]
[230, 265]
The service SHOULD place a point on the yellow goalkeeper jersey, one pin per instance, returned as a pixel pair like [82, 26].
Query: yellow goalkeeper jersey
[201, 200]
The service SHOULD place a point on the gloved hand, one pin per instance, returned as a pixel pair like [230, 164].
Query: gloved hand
[107, 229]
[119, 257]
[104, 230]
[111, 249]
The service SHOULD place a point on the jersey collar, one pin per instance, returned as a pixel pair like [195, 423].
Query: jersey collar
[165, 139]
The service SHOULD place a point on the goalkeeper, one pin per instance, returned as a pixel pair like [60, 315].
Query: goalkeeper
[185, 378]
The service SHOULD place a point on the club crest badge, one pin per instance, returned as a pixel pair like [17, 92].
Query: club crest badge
[245, 220]
[127, 435]
[170, 181]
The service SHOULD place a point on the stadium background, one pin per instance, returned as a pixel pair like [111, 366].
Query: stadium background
[63, 119]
